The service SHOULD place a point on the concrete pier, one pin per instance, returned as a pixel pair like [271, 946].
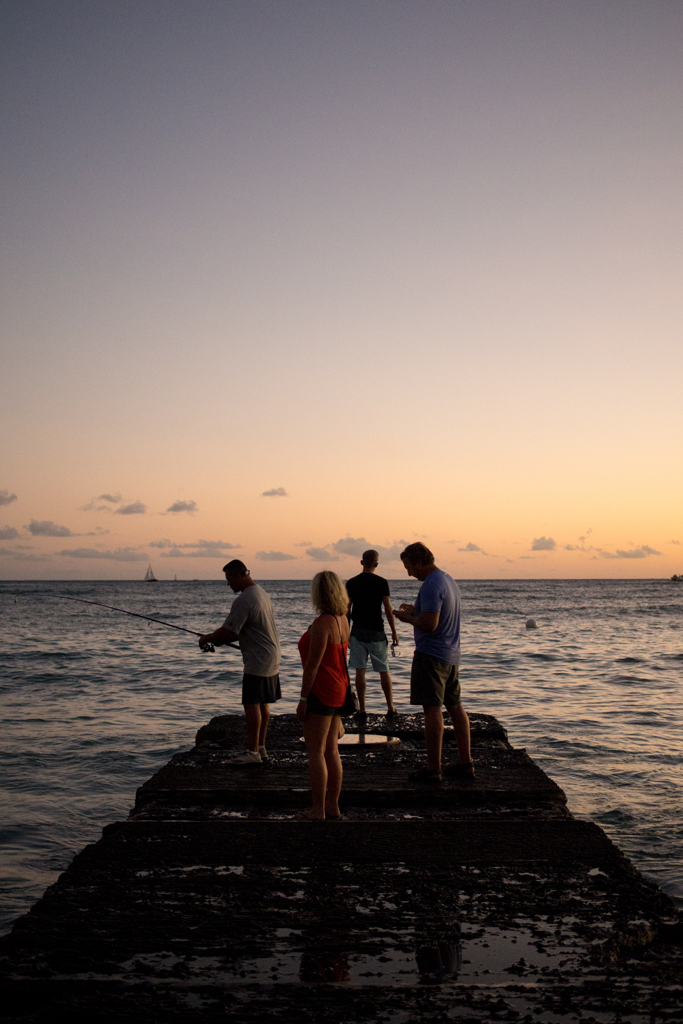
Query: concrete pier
[471, 901]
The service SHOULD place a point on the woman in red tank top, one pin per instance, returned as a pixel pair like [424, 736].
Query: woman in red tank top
[323, 692]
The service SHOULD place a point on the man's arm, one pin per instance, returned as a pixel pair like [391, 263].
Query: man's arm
[425, 621]
[389, 612]
[220, 636]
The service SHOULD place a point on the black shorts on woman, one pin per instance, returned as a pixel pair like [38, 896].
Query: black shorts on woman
[315, 706]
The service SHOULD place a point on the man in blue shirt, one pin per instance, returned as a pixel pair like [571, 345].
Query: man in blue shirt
[434, 682]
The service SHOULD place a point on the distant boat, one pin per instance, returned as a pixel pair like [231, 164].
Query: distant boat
[149, 575]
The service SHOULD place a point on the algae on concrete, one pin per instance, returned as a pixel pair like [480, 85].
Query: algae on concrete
[471, 901]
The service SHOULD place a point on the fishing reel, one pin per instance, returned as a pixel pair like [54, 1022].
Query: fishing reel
[208, 649]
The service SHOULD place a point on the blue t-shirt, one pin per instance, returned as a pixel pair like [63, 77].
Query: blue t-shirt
[439, 593]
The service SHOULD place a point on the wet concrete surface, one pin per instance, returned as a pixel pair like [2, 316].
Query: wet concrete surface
[470, 901]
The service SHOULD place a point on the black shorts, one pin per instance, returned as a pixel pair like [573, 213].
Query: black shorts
[316, 706]
[433, 682]
[260, 689]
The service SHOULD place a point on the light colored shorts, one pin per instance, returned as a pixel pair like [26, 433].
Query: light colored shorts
[378, 651]
[433, 682]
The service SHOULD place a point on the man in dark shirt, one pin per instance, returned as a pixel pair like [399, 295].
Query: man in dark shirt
[367, 594]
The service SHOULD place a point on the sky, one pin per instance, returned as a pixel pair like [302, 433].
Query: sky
[283, 280]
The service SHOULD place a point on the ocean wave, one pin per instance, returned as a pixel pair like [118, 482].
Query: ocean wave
[95, 703]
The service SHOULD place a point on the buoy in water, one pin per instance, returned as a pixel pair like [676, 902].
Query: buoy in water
[531, 624]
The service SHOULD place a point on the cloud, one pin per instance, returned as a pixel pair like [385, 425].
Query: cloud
[275, 492]
[136, 508]
[8, 533]
[351, 546]
[183, 506]
[309, 543]
[273, 556]
[321, 555]
[92, 505]
[6, 498]
[46, 528]
[203, 549]
[206, 548]
[120, 555]
[20, 556]
[674, 542]
[355, 546]
[199, 553]
[644, 551]
[175, 552]
[211, 544]
[543, 544]
[472, 547]
[99, 532]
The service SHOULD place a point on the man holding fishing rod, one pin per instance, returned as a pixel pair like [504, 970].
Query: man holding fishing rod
[252, 623]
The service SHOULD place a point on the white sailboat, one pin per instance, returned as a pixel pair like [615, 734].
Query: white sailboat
[149, 575]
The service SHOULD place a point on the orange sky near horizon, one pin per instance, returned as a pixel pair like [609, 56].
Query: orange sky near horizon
[416, 266]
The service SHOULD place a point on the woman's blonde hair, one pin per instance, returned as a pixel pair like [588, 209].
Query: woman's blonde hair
[328, 594]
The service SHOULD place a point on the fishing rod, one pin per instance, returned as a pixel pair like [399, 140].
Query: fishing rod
[208, 648]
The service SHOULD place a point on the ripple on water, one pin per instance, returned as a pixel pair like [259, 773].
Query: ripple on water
[94, 707]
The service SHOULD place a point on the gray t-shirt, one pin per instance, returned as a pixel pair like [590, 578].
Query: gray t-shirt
[251, 617]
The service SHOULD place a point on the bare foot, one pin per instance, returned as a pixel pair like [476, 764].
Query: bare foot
[308, 816]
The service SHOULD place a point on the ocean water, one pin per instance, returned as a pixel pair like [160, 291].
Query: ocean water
[93, 702]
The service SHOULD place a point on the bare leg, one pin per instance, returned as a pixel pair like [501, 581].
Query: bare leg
[316, 729]
[360, 688]
[461, 728]
[334, 768]
[265, 718]
[385, 680]
[433, 736]
[253, 715]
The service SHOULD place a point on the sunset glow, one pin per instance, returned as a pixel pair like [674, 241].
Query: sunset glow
[285, 281]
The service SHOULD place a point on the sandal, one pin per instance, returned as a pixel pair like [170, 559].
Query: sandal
[302, 816]
[460, 770]
[429, 775]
